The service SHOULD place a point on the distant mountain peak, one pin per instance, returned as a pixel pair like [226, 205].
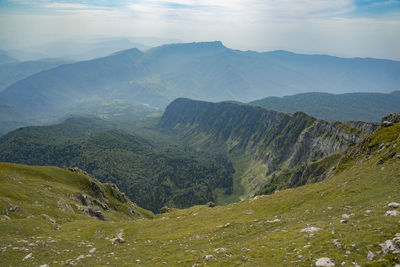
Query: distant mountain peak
[189, 47]
[131, 51]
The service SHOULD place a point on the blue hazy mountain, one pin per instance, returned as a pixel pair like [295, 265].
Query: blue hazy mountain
[14, 71]
[206, 71]
[342, 107]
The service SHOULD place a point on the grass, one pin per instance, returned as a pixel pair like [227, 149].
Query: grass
[185, 237]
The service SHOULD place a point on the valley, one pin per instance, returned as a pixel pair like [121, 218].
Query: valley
[346, 218]
[195, 154]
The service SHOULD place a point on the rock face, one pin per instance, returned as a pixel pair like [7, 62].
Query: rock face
[271, 137]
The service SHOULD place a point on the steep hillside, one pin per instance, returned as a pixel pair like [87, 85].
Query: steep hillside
[151, 176]
[208, 71]
[351, 219]
[343, 107]
[275, 141]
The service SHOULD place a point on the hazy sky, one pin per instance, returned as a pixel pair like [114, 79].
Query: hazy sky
[350, 28]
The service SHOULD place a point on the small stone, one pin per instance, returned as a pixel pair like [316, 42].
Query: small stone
[392, 213]
[208, 257]
[345, 216]
[394, 205]
[219, 250]
[343, 221]
[370, 256]
[27, 257]
[311, 229]
[325, 262]
[337, 243]
[93, 250]
[273, 221]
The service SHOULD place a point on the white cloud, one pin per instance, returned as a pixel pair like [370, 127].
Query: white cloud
[310, 26]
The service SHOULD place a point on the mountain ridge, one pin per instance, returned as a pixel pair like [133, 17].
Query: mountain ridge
[276, 141]
[204, 71]
[336, 107]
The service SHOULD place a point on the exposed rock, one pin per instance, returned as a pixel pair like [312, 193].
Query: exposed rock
[392, 213]
[343, 221]
[76, 169]
[116, 193]
[387, 246]
[53, 222]
[324, 262]
[98, 214]
[93, 213]
[97, 191]
[390, 119]
[14, 209]
[273, 221]
[211, 204]
[219, 250]
[27, 257]
[345, 216]
[119, 238]
[93, 250]
[386, 123]
[370, 256]
[208, 257]
[104, 206]
[394, 205]
[64, 205]
[84, 199]
[132, 209]
[337, 243]
[5, 217]
[310, 230]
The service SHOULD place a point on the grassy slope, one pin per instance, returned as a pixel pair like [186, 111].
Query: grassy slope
[184, 237]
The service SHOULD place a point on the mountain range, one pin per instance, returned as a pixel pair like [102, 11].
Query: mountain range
[205, 71]
[336, 107]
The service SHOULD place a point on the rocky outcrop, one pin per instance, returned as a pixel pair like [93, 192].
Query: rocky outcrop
[276, 139]
[390, 119]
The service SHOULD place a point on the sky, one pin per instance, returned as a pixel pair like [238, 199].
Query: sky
[346, 28]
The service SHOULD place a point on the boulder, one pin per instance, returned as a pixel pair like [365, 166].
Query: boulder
[394, 205]
[392, 213]
[309, 230]
[324, 262]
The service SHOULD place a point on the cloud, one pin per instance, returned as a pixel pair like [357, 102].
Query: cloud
[311, 26]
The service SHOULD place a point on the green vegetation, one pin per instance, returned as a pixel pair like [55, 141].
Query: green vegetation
[263, 145]
[330, 107]
[261, 231]
[151, 176]
[206, 70]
